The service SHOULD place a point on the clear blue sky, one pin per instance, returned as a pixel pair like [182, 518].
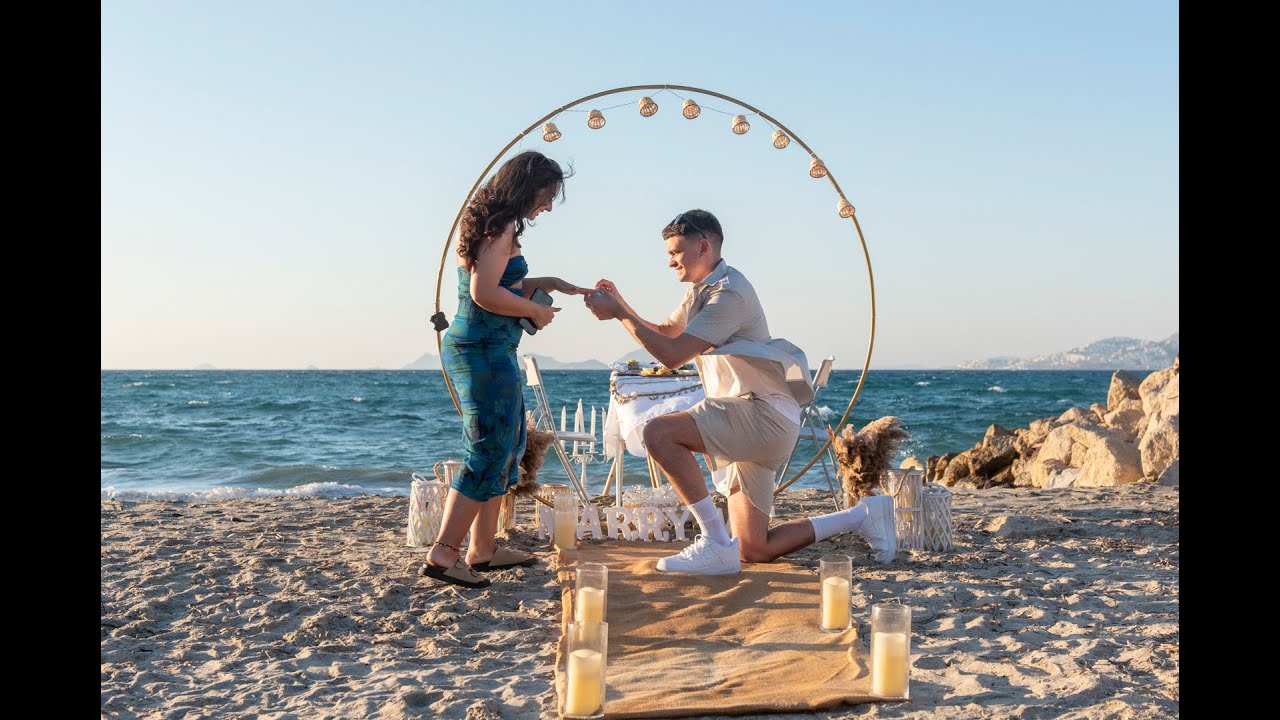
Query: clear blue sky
[278, 178]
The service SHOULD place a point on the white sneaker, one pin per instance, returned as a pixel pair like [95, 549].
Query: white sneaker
[704, 557]
[879, 529]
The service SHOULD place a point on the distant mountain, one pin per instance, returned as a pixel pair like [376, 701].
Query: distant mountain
[639, 355]
[432, 362]
[426, 362]
[550, 363]
[1115, 353]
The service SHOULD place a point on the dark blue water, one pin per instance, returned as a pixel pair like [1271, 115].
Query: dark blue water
[227, 433]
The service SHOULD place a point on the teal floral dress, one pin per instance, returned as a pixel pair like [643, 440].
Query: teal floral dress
[479, 353]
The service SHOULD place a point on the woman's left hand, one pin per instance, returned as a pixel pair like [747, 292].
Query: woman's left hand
[561, 286]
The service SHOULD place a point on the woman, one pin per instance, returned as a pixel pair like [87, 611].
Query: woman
[479, 353]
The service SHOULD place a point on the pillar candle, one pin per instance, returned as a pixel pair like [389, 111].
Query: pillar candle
[835, 603]
[592, 448]
[889, 665]
[565, 532]
[590, 607]
[582, 696]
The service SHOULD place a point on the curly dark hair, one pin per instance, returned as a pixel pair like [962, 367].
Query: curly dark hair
[521, 184]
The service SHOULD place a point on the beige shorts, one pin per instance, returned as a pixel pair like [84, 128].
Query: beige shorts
[749, 440]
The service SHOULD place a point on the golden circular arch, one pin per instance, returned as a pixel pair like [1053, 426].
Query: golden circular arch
[631, 88]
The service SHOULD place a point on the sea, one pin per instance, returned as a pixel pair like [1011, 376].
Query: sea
[210, 434]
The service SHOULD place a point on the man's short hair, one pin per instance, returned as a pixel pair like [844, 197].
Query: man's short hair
[694, 222]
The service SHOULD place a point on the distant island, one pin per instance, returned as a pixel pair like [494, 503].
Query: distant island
[1114, 353]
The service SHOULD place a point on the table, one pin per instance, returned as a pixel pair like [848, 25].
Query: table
[634, 400]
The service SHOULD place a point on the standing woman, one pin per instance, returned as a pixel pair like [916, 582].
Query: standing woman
[479, 353]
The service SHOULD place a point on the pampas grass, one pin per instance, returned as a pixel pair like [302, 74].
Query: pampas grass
[535, 451]
[865, 455]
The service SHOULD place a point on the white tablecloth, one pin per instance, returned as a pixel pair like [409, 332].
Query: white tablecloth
[634, 400]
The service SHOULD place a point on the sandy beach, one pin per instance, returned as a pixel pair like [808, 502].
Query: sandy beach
[1054, 603]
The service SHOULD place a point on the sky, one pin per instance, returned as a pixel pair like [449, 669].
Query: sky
[279, 179]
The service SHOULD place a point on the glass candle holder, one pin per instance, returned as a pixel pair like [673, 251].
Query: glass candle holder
[566, 525]
[836, 575]
[890, 650]
[585, 670]
[593, 593]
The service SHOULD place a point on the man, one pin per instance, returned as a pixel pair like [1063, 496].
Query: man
[748, 423]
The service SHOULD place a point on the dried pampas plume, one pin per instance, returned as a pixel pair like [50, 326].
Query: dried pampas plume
[865, 455]
[535, 451]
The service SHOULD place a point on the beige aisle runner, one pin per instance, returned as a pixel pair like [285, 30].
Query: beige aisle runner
[682, 645]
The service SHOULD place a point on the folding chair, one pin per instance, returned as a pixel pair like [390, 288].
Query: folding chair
[544, 420]
[812, 428]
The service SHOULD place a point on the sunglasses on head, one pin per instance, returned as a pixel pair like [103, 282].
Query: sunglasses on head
[683, 219]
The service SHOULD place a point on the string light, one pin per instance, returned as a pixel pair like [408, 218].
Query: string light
[647, 106]
[845, 208]
[595, 120]
[550, 133]
[780, 139]
[740, 125]
[690, 109]
[817, 169]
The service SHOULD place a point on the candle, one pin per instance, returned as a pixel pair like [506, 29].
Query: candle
[889, 664]
[585, 689]
[835, 604]
[592, 448]
[590, 607]
[566, 529]
[577, 424]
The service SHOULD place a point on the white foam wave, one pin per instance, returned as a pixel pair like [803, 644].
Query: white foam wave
[921, 383]
[140, 383]
[197, 402]
[356, 398]
[825, 412]
[318, 489]
[996, 388]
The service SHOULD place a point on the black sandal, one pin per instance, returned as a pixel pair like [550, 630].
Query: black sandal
[459, 574]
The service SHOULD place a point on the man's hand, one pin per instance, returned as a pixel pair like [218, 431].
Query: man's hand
[604, 305]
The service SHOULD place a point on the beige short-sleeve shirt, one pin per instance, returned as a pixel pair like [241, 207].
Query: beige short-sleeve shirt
[721, 309]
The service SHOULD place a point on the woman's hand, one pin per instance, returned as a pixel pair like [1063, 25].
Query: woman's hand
[568, 288]
[543, 315]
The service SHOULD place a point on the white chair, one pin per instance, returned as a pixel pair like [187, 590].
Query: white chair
[812, 428]
[544, 420]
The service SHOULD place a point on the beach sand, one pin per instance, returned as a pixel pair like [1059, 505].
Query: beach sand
[1054, 603]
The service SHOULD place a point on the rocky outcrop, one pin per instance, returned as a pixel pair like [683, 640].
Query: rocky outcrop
[1134, 437]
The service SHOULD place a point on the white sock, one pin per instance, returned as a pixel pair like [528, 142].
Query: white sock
[824, 526]
[711, 521]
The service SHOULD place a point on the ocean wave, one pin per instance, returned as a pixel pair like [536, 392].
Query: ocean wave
[197, 402]
[1065, 401]
[356, 398]
[996, 388]
[922, 383]
[826, 413]
[316, 489]
[140, 383]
